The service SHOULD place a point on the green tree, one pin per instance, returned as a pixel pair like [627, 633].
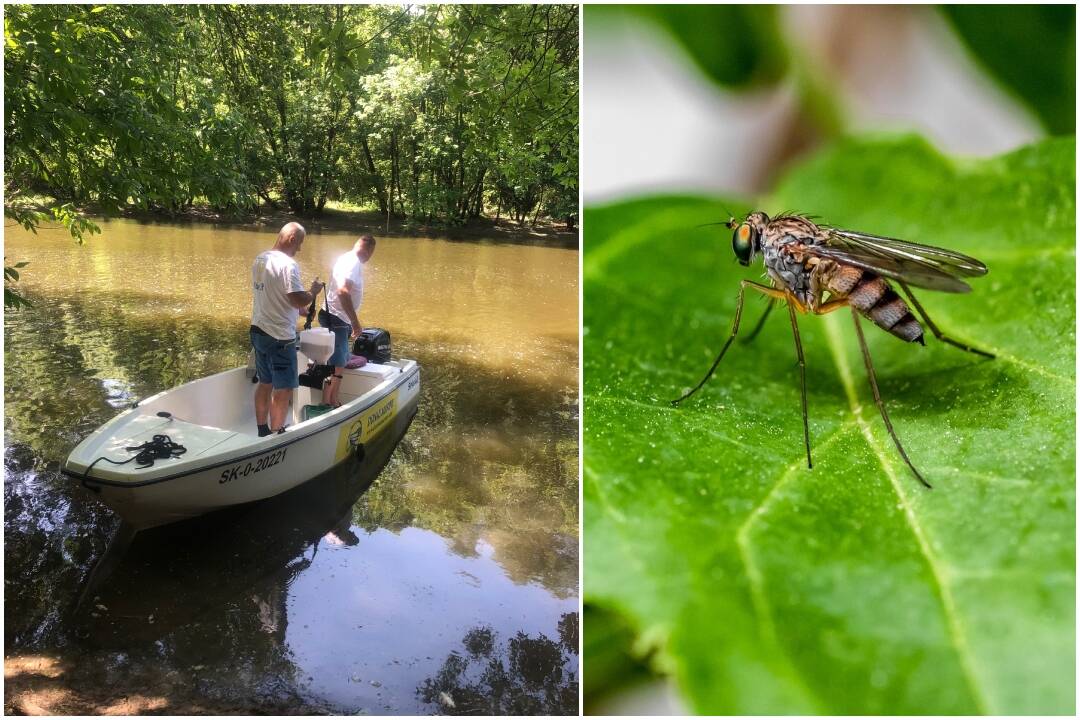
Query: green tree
[435, 113]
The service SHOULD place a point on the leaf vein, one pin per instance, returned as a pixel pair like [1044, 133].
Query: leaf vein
[948, 604]
[753, 573]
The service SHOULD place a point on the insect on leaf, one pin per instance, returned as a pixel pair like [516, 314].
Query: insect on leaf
[768, 588]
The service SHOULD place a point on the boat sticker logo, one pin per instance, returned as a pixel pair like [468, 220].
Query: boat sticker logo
[366, 425]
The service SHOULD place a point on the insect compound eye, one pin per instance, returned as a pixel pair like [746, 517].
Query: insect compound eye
[742, 242]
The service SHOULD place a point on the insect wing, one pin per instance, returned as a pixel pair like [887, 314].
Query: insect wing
[950, 262]
[918, 265]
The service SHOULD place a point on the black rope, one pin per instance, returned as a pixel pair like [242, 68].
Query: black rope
[160, 448]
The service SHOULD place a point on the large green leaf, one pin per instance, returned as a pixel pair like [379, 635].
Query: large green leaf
[766, 587]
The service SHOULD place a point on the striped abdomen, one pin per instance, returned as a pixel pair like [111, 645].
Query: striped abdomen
[873, 297]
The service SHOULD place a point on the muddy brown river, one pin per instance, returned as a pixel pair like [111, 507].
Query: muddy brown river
[439, 575]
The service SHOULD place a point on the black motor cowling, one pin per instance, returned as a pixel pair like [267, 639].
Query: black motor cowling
[316, 375]
[374, 344]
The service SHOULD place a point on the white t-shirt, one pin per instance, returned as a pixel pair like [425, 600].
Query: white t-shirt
[348, 272]
[273, 276]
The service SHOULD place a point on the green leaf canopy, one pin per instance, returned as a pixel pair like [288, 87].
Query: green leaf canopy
[766, 587]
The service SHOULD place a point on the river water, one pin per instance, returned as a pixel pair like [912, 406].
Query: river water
[439, 576]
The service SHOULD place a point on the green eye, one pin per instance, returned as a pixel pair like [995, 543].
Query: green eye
[742, 242]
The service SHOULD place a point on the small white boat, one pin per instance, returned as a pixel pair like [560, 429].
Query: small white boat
[224, 461]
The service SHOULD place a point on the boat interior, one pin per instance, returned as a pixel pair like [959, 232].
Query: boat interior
[225, 401]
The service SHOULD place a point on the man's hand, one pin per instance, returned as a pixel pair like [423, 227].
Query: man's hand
[356, 330]
[316, 287]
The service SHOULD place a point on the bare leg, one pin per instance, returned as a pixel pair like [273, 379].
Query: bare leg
[333, 387]
[771, 292]
[279, 408]
[802, 375]
[262, 402]
[877, 396]
[934, 328]
[760, 323]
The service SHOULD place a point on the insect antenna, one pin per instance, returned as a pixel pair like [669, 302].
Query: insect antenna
[730, 223]
[731, 217]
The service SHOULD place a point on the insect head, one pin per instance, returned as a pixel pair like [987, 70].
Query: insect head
[746, 240]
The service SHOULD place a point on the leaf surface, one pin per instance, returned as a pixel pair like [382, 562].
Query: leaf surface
[766, 587]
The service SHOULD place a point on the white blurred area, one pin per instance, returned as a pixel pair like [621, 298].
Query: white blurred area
[651, 122]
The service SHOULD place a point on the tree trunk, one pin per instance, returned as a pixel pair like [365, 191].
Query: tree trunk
[380, 187]
[539, 205]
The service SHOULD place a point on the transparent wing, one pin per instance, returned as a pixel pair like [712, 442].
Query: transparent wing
[919, 265]
[950, 262]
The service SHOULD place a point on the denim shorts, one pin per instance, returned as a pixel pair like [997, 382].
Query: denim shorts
[275, 360]
[342, 330]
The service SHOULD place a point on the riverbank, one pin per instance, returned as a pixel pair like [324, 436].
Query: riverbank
[345, 219]
[45, 685]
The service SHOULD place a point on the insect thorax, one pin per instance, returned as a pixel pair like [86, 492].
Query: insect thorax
[787, 269]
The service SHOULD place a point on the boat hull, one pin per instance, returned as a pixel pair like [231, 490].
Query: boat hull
[264, 468]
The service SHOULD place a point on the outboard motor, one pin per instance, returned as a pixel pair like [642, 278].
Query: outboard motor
[374, 344]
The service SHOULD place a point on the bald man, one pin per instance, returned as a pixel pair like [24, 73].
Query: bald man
[278, 298]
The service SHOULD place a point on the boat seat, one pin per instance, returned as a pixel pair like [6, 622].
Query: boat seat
[377, 371]
[198, 439]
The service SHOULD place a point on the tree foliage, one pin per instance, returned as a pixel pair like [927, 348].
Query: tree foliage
[437, 113]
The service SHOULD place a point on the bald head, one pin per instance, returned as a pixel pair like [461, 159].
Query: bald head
[290, 238]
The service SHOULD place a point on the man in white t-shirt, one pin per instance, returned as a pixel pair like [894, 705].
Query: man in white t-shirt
[278, 297]
[343, 298]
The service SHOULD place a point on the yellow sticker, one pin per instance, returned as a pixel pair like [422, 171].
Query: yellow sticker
[366, 425]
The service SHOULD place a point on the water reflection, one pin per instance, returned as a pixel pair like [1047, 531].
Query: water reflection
[370, 624]
[471, 522]
[526, 675]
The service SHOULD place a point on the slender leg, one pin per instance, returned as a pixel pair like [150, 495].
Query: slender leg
[877, 396]
[765, 290]
[934, 328]
[760, 323]
[262, 402]
[830, 306]
[279, 408]
[333, 387]
[802, 375]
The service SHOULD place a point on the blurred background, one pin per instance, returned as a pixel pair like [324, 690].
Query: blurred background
[722, 99]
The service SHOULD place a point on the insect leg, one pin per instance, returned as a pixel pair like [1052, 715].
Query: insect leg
[760, 323]
[802, 375]
[934, 328]
[765, 290]
[830, 306]
[877, 396]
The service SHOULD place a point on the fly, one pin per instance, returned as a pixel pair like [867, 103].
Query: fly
[818, 269]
